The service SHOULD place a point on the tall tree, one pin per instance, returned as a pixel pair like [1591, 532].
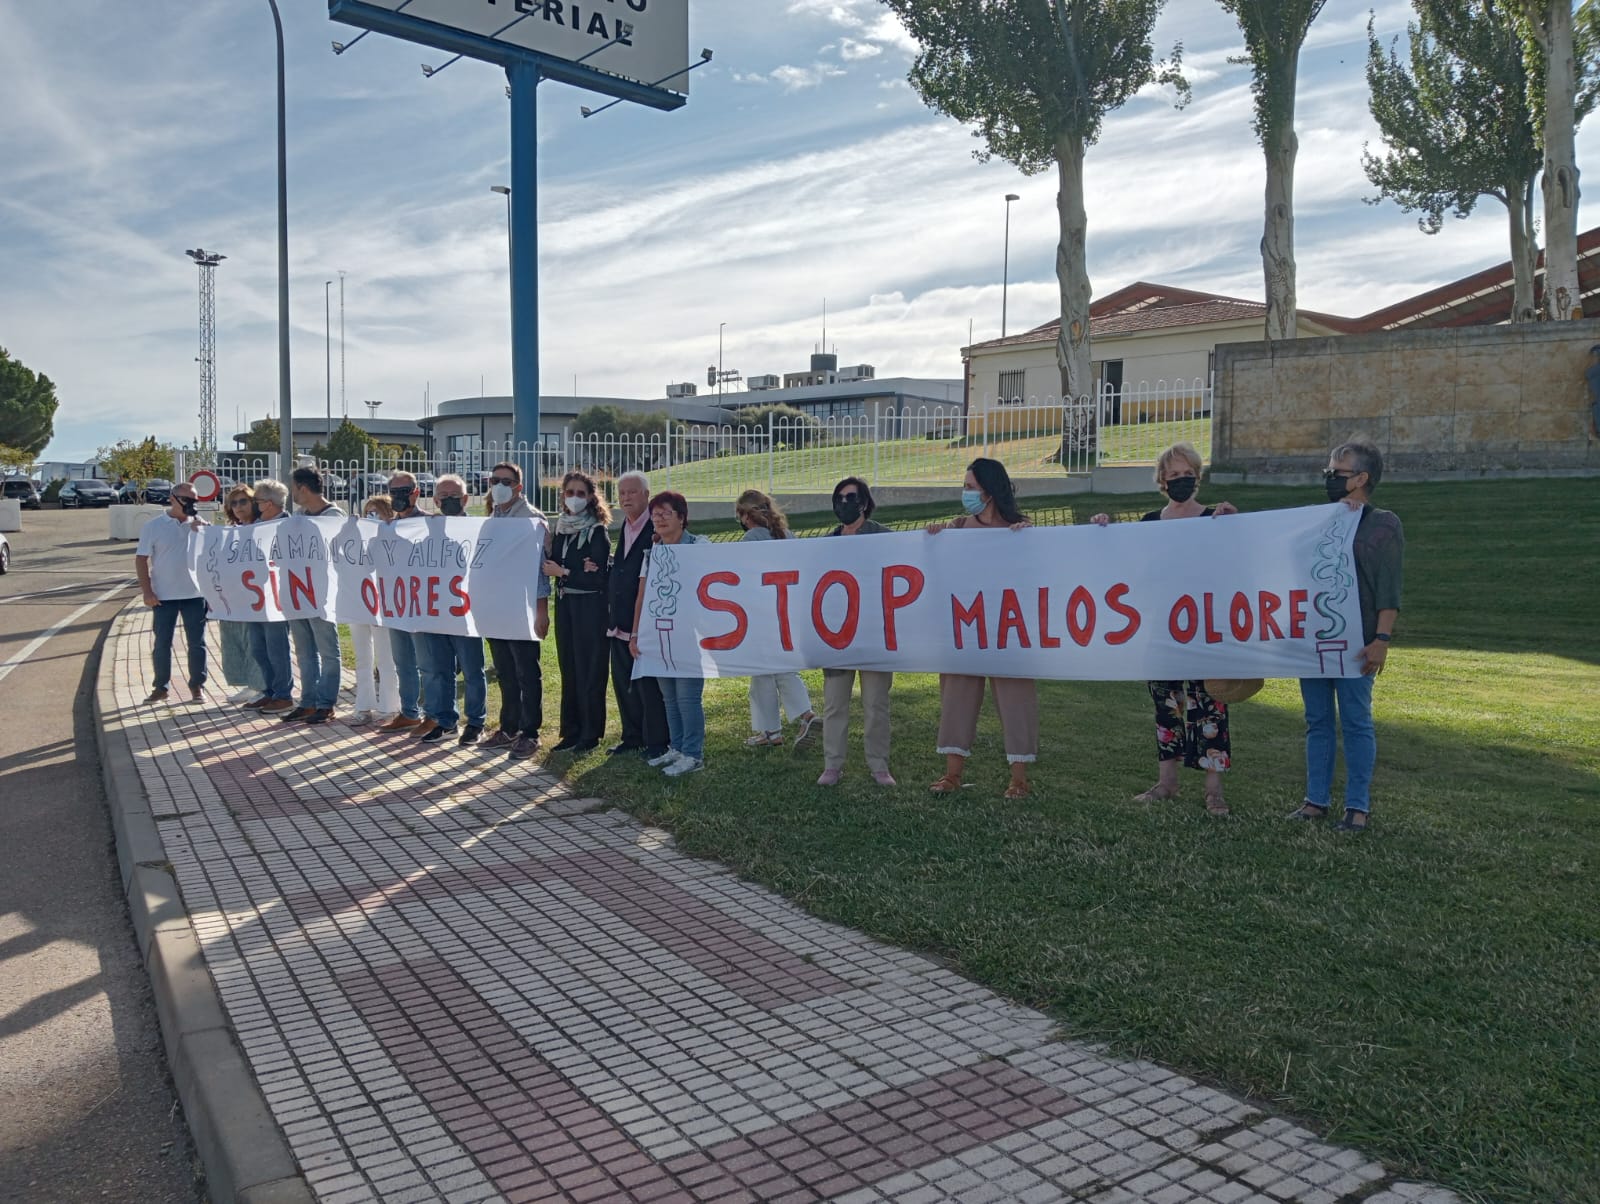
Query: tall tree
[1274, 31]
[1037, 77]
[1458, 122]
[263, 436]
[27, 406]
[350, 445]
[142, 462]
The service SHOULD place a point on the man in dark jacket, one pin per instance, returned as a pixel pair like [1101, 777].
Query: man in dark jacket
[644, 717]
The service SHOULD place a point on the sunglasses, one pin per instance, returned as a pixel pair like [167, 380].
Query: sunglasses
[501, 481]
[850, 497]
[241, 501]
[1337, 474]
[571, 494]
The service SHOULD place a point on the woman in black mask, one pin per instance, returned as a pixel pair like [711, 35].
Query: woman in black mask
[1191, 726]
[853, 506]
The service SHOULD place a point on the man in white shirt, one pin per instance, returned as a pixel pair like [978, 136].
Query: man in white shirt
[167, 580]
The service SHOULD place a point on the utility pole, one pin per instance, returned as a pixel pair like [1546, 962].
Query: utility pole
[341, 339]
[327, 356]
[206, 445]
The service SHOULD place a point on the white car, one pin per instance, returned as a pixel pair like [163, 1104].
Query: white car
[5, 554]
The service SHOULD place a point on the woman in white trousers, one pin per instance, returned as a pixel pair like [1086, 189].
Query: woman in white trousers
[377, 688]
[762, 519]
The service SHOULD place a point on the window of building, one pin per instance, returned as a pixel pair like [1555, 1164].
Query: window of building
[1012, 386]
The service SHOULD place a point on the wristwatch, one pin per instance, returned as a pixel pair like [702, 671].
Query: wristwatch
[1384, 636]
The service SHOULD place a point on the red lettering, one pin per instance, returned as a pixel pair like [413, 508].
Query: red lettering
[272, 580]
[416, 597]
[1046, 640]
[852, 610]
[1297, 613]
[395, 601]
[465, 603]
[1080, 617]
[1184, 621]
[960, 615]
[894, 600]
[1213, 636]
[1114, 597]
[781, 582]
[1011, 620]
[369, 597]
[249, 582]
[300, 587]
[1269, 605]
[433, 596]
[741, 621]
[1239, 617]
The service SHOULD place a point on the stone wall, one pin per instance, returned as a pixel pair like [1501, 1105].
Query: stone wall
[1482, 400]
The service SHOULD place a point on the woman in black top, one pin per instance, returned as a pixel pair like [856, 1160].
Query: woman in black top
[1191, 726]
[578, 556]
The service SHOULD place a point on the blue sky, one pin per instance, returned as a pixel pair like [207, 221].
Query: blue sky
[803, 167]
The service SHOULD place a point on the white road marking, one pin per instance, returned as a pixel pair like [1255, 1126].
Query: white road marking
[39, 642]
[57, 589]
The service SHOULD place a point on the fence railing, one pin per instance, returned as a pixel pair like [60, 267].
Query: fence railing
[888, 445]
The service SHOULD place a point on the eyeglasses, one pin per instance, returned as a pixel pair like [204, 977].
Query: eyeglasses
[850, 497]
[1343, 474]
[241, 501]
[501, 481]
[585, 496]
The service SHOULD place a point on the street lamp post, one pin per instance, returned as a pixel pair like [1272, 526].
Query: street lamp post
[720, 325]
[1005, 271]
[285, 412]
[327, 344]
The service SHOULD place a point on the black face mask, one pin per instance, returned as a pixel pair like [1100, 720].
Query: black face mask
[450, 506]
[1337, 487]
[402, 497]
[187, 505]
[847, 510]
[1181, 489]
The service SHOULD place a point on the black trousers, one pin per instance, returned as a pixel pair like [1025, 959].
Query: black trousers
[644, 716]
[516, 665]
[581, 652]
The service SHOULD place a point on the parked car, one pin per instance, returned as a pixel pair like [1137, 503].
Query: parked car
[425, 483]
[89, 491]
[334, 487]
[374, 482]
[5, 553]
[20, 489]
[156, 492]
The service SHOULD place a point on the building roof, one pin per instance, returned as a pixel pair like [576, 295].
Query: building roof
[938, 390]
[693, 409]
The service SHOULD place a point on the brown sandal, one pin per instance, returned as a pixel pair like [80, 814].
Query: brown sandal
[1215, 805]
[1156, 795]
[946, 785]
[1019, 790]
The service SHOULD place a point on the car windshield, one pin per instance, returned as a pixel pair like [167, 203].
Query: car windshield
[90, 486]
[157, 483]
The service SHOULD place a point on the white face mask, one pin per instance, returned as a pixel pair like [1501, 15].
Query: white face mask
[500, 494]
[577, 505]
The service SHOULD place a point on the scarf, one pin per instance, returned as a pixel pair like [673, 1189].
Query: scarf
[575, 524]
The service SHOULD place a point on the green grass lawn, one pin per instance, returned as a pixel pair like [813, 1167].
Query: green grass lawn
[1430, 992]
[913, 461]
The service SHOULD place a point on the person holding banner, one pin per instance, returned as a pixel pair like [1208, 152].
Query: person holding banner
[407, 648]
[516, 662]
[1191, 726]
[639, 705]
[316, 641]
[578, 556]
[761, 519]
[269, 642]
[445, 653]
[682, 696]
[167, 581]
[1353, 472]
[853, 506]
[377, 692]
[990, 502]
[239, 668]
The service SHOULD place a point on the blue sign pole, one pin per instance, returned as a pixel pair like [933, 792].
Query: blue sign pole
[524, 77]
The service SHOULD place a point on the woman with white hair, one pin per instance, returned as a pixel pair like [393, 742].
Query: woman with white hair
[1191, 726]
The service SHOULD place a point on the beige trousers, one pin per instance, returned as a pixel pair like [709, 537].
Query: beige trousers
[1017, 700]
[837, 685]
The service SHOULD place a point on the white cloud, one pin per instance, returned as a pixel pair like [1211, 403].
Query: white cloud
[792, 79]
[851, 50]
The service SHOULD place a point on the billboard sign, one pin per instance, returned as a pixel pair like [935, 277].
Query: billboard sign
[638, 41]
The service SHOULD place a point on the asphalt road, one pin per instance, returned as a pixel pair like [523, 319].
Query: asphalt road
[88, 1107]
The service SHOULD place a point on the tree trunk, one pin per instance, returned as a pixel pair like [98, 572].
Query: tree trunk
[1561, 291]
[1524, 254]
[1072, 275]
[1277, 238]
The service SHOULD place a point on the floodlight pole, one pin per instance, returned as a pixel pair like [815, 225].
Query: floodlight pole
[524, 206]
[285, 414]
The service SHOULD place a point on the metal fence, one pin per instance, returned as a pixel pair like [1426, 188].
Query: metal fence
[927, 445]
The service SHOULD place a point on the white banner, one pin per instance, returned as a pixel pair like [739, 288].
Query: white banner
[454, 576]
[1247, 595]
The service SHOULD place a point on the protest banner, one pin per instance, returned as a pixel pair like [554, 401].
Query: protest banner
[452, 576]
[1251, 595]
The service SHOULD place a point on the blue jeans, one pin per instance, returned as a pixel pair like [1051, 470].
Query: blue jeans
[269, 644]
[686, 716]
[445, 653]
[403, 645]
[167, 614]
[316, 651]
[1352, 697]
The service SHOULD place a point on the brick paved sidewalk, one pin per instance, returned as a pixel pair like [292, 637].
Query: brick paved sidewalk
[454, 981]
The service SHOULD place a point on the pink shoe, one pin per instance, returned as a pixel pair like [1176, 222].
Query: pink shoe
[830, 777]
[883, 777]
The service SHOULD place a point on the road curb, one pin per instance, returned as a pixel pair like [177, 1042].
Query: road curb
[245, 1154]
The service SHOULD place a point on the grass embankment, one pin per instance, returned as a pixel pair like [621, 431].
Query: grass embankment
[1430, 991]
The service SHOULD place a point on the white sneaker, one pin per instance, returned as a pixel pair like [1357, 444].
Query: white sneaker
[245, 695]
[684, 765]
[357, 718]
[666, 758]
